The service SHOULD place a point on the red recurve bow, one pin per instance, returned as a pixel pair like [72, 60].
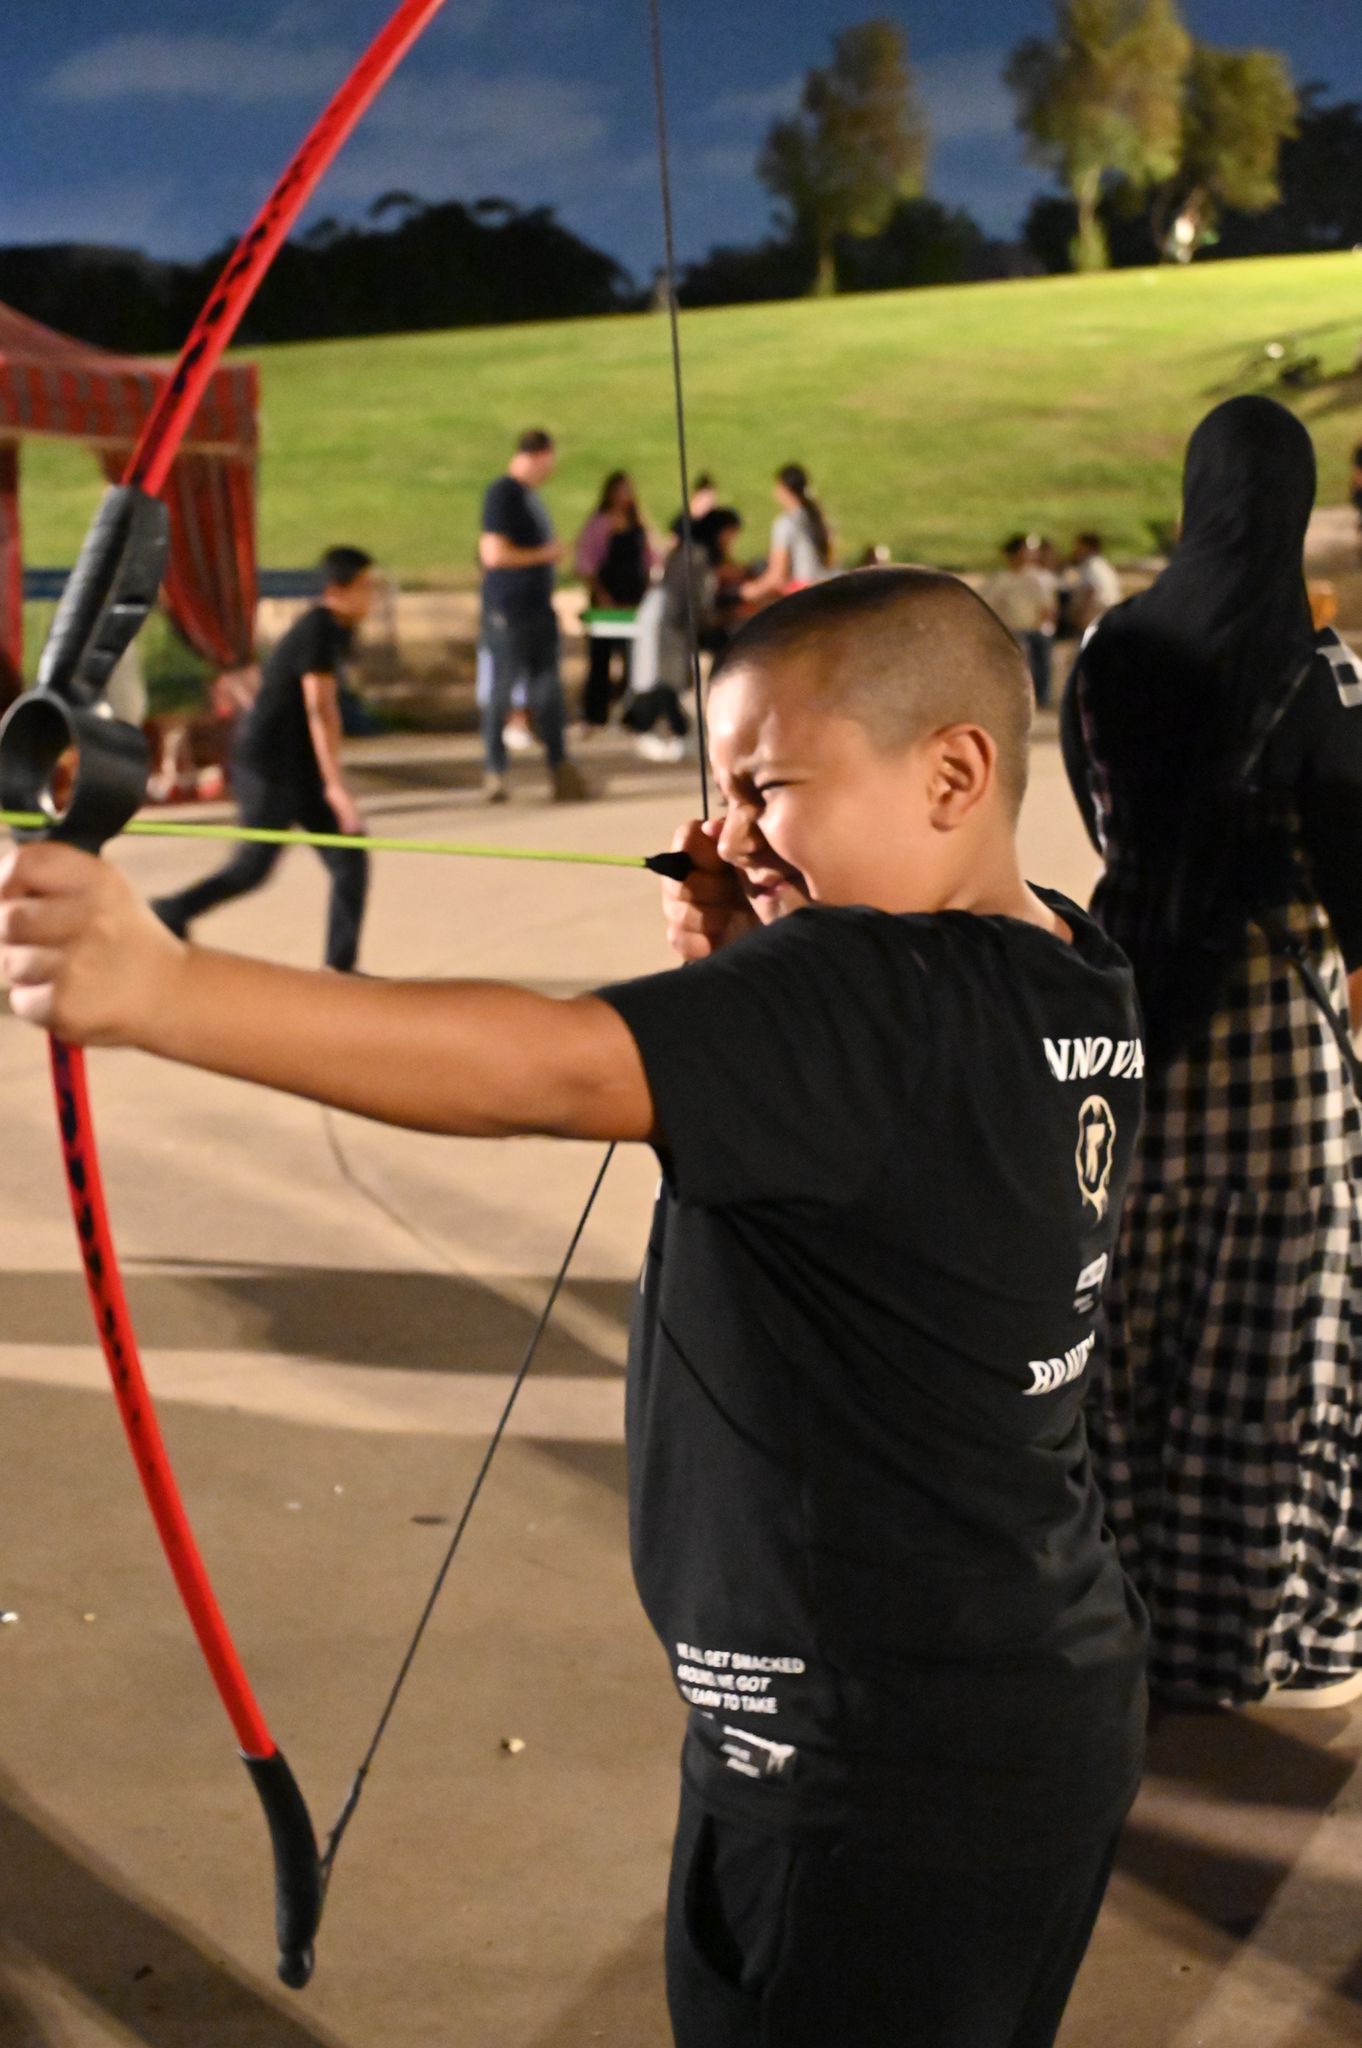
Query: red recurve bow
[60, 753]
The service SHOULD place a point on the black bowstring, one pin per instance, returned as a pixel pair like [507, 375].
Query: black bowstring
[357, 1783]
[664, 173]
[352, 1797]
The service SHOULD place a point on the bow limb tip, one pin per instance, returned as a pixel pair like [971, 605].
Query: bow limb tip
[298, 1890]
[673, 866]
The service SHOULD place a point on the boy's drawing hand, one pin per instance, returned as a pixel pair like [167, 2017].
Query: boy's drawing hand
[709, 908]
[79, 952]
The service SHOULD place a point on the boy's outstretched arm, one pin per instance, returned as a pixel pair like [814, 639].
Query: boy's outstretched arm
[84, 957]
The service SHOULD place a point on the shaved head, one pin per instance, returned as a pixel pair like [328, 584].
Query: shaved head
[903, 652]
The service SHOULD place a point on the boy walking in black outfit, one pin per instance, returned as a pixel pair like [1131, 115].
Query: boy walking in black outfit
[893, 1097]
[286, 768]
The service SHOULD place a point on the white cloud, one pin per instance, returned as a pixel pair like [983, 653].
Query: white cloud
[236, 69]
[299, 18]
[965, 97]
[451, 131]
[758, 105]
[295, 19]
[963, 92]
[296, 55]
[466, 132]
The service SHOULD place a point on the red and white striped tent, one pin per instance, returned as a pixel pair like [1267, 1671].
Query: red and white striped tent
[55, 386]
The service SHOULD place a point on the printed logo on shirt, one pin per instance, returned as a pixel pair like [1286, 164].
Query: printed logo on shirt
[1095, 1152]
[754, 1756]
[1083, 1059]
[1088, 1290]
[1048, 1375]
[732, 1681]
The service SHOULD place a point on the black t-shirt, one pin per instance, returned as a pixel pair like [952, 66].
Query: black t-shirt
[705, 530]
[863, 1517]
[624, 572]
[275, 738]
[520, 515]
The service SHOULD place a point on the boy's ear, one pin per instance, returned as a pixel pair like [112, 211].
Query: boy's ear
[962, 774]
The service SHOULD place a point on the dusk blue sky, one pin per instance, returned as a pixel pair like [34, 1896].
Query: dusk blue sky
[160, 124]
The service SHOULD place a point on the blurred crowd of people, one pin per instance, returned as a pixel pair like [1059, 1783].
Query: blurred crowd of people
[651, 596]
[1042, 597]
[654, 593]
[689, 583]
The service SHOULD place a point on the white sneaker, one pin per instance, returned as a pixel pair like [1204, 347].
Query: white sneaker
[1338, 1692]
[656, 746]
[517, 734]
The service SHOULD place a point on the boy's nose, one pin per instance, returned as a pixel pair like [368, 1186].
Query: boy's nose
[739, 834]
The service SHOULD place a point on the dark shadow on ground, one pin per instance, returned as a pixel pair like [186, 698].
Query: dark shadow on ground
[605, 1465]
[423, 1322]
[1240, 1764]
[415, 771]
[74, 1918]
[1249, 1760]
[19, 2025]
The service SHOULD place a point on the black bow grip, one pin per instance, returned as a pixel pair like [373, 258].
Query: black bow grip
[61, 752]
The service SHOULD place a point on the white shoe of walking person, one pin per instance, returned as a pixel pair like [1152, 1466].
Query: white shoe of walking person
[656, 746]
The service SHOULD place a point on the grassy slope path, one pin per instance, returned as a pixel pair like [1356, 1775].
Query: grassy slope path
[932, 420]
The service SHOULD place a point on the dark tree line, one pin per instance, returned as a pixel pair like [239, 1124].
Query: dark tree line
[407, 266]
[922, 242]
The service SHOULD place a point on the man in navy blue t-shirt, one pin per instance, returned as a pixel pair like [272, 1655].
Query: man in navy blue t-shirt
[518, 552]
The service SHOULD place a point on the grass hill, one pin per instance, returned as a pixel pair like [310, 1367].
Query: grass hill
[935, 421]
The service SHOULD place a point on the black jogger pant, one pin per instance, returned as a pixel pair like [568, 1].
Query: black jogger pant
[601, 689]
[860, 1944]
[277, 805]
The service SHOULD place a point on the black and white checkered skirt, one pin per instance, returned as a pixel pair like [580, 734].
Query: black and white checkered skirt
[1228, 1430]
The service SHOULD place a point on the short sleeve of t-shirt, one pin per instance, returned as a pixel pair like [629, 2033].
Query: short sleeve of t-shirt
[505, 511]
[793, 532]
[780, 1066]
[322, 644]
[274, 734]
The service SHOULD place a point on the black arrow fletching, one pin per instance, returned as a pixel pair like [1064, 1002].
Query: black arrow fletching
[673, 866]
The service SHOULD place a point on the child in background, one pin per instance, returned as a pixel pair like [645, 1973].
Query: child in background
[662, 641]
[286, 765]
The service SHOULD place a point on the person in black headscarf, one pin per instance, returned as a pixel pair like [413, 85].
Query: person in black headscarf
[1214, 742]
